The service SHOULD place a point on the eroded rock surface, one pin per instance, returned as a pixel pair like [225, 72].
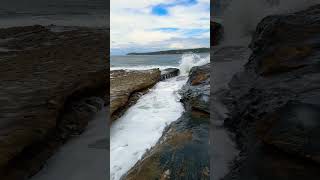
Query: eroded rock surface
[45, 79]
[276, 100]
[169, 73]
[127, 86]
[181, 153]
[197, 90]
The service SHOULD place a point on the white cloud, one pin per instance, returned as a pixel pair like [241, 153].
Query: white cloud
[133, 25]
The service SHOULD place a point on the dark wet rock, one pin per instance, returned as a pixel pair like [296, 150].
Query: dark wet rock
[181, 153]
[127, 86]
[216, 33]
[228, 61]
[197, 90]
[51, 85]
[275, 101]
[169, 73]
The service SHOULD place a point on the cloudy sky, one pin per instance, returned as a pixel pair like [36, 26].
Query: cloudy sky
[152, 25]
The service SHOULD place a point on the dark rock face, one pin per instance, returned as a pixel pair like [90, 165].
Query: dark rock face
[181, 153]
[197, 90]
[127, 86]
[169, 73]
[50, 84]
[276, 101]
[216, 33]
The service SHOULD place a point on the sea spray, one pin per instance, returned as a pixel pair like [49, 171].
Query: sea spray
[242, 16]
[142, 125]
[190, 60]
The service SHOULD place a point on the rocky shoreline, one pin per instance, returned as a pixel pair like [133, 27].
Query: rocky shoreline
[182, 151]
[127, 86]
[53, 80]
[274, 102]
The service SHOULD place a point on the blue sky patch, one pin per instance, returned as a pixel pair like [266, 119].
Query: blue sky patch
[160, 10]
[163, 9]
[185, 2]
[167, 29]
[195, 32]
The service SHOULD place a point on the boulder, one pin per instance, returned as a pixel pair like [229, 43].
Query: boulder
[196, 92]
[276, 100]
[127, 86]
[169, 73]
[46, 80]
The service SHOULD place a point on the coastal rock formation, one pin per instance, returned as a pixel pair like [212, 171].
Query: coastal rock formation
[52, 81]
[197, 90]
[182, 151]
[169, 73]
[276, 101]
[216, 33]
[127, 86]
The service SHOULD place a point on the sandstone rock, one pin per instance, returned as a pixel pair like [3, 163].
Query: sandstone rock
[125, 85]
[197, 90]
[276, 101]
[42, 88]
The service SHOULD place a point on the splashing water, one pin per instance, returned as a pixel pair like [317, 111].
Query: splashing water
[190, 60]
[240, 20]
[142, 125]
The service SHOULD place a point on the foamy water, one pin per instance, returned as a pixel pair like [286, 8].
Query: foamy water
[142, 125]
[140, 128]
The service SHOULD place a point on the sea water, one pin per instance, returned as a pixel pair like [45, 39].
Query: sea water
[142, 125]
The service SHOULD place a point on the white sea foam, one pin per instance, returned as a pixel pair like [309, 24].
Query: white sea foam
[190, 60]
[186, 63]
[142, 125]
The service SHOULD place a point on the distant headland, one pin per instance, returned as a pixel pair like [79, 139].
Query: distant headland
[180, 51]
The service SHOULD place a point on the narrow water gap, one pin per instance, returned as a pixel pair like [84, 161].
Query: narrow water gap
[142, 125]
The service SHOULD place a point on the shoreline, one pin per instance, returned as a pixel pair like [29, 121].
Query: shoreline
[193, 123]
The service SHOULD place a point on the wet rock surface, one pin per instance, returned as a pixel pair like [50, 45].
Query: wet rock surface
[127, 86]
[274, 102]
[181, 153]
[197, 90]
[52, 82]
[169, 73]
[228, 60]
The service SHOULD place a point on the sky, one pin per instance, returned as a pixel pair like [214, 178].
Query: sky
[153, 25]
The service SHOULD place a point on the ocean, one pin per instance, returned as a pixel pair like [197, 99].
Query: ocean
[59, 12]
[139, 62]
